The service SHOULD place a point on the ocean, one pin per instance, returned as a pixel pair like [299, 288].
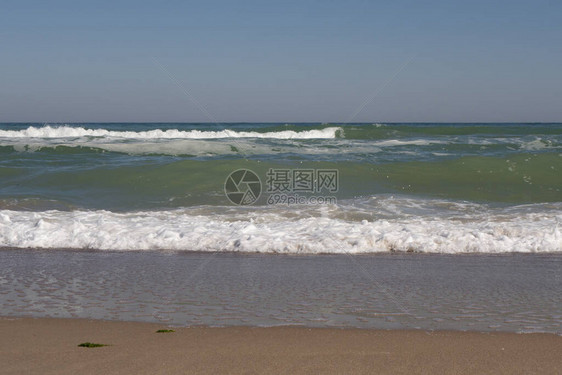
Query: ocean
[317, 188]
[387, 226]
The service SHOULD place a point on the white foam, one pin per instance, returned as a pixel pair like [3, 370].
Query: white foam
[77, 132]
[536, 145]
[271, 231]
[197, 147]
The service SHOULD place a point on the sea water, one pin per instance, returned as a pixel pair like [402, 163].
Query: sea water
[374, 194]
[439, 188]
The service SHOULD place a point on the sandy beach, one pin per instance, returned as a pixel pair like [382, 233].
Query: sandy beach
[274, 187]
[49, 346]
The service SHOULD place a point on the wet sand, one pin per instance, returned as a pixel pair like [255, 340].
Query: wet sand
[49, 346]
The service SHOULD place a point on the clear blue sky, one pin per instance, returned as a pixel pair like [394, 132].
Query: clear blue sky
[281, 61]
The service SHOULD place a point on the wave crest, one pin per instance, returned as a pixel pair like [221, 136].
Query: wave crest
[276, 233]
[78, 132]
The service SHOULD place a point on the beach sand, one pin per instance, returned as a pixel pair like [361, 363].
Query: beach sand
[49, 346]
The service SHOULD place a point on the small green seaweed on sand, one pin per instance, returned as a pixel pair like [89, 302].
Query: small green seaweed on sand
[91, 345]
[165, 331]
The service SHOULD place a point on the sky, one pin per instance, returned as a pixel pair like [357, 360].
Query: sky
[280, 61]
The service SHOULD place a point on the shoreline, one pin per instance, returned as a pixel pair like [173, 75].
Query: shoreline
[49, 346]
[168, 325]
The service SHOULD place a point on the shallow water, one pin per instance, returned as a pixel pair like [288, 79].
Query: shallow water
[517, 292]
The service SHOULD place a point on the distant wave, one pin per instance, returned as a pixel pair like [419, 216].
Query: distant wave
[77, 132]
[275, 232]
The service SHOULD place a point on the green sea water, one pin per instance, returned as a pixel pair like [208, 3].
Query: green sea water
[504, 163]
[451, 188]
